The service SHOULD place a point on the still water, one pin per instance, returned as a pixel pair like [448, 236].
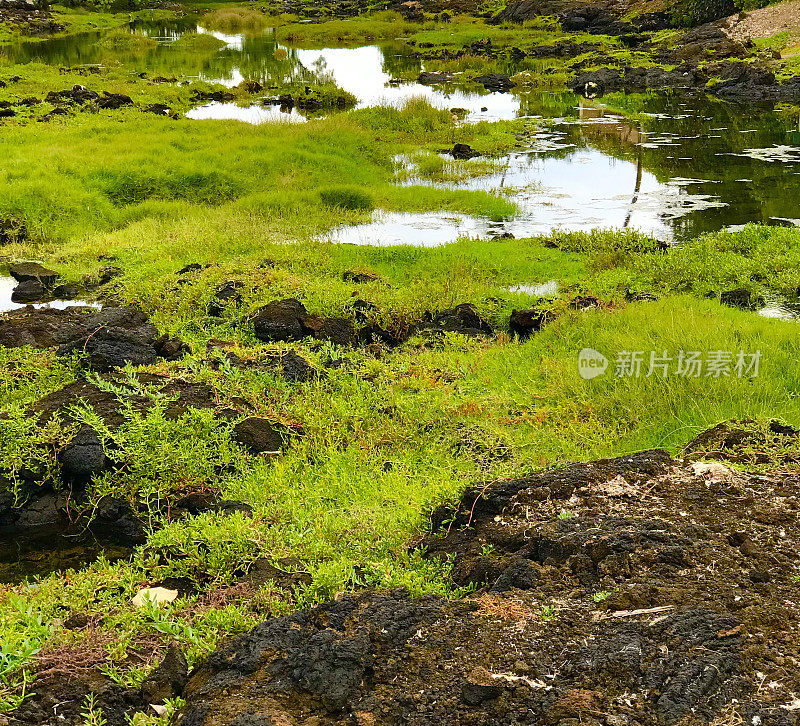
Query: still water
[673, 166]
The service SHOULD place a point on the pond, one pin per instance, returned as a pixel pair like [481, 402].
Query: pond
[7, 285]
[669, 165]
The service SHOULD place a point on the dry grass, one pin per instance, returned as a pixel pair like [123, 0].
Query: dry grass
[89, 652]
[730, 716]
[504, 608]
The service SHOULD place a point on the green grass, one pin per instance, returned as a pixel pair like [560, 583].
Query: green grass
[341, 33]
[199, 43]
[233, 20]
[393, 432]
[708, 265]
[384, 442]
[86, 175]
[80, 20]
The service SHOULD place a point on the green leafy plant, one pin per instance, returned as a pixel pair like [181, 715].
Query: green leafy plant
[92, 713]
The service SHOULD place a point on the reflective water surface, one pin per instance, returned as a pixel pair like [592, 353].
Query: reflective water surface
[671, 166]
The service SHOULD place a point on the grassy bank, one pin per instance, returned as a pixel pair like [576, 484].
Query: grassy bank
[384, 440]
[71, 179]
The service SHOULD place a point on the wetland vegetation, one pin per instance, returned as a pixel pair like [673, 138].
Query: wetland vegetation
[293, 301]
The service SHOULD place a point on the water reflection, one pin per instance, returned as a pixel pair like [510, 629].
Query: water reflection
[364, 73]
[673, 176]
[256, 114]
[684, 166]
[7, 285]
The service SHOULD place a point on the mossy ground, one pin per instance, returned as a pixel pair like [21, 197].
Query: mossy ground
[389, 434]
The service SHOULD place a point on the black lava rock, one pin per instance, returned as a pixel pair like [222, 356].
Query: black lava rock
[28, 291]
[281, 320]
[82, 458]
[115, 521]
[168, 679]
[524, 323]
[66, 292]
[498, 82]
[114, 100]
[297, 369]
[24, 271]
[463, 151]
[224, 296]
[460, 319]
[259, 435]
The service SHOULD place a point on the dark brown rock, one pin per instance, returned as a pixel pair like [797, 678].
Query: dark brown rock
[24, 271]
[82, 458]
[524, 323]
[337, 330]
[462, 319]
[281, 320]
[359, 277]
[260, 435]
[28, 291]
[168, 679]
[108, 338]
[463, 151]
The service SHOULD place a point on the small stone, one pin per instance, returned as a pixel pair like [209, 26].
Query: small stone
[156, 595]
[65, 292]
[359, 277]
[280, 320]
[296, 369]
[191, 267]
[168, 679]
[714, 471]
[259, 435]
[28, 291]
[107, 274]
[479, 686]
[336, 330]
[82, 458]
[76, 621]
[23, 271]
[115, 520]
[463, 151]
[524, 323]
[226, 295]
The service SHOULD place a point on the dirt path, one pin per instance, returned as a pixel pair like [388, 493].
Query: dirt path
[766, 22]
